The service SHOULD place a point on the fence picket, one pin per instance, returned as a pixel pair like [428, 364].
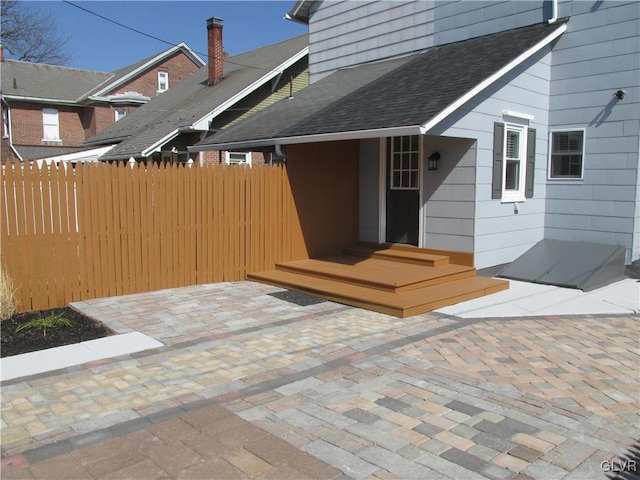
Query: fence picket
[99, 230]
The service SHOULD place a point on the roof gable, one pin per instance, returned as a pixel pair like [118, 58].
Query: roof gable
[126, 74]
[409, 96]
[52, 83]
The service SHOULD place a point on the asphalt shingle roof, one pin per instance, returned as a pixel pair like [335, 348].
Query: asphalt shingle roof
[38, 80]
[192, 99]
[397, 93]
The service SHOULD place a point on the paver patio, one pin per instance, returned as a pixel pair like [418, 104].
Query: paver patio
[329, 391]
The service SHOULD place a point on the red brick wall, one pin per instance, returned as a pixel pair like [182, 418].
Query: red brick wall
[27, 127]
[179, 66]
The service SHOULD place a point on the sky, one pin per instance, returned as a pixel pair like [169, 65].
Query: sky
[97, 44]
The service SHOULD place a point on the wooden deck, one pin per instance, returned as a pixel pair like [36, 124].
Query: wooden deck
[392, 279]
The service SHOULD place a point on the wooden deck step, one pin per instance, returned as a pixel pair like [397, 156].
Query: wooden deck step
[408, 255]
[400, 304]
[377, 273]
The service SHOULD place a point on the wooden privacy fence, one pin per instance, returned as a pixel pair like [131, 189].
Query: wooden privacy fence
[101, 230]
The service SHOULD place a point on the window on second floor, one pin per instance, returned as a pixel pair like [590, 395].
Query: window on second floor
[567, 154]
[120, 113]
[51, 124]
[163, 81]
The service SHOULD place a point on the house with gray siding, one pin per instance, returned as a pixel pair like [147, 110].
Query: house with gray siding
[482, 126]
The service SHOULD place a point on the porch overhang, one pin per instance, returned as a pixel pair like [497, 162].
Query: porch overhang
[402, 96]
[314, 138]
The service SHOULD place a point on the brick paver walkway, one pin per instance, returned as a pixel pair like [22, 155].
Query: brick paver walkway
[329, 391]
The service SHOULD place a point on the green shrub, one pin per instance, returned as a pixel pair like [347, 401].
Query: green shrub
[52, 321]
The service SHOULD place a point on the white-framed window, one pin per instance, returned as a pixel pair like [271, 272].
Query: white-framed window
[51, 124]
[163, 81]
[514, 154]
[514, 167]
[120, 113]
[238, 158]
[566, 154]
[405, 163]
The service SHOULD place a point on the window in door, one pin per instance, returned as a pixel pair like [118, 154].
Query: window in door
[405, 163]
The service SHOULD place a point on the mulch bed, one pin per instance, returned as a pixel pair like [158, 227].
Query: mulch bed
[30, 339]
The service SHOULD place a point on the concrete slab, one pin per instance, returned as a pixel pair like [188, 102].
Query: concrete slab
[32, 363]
[524, 299]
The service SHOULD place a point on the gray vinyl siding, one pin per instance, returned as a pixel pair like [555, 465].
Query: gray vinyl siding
[504, 231]
[346, 33]
[449, 194]
[599, 54]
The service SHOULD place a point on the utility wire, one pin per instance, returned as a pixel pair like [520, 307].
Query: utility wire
[153, 37]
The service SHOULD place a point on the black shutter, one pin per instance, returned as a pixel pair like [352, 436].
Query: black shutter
[498, 156]
[531, 163]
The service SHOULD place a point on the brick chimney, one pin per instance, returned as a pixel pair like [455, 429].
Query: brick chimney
[1, 53]
[215, 52]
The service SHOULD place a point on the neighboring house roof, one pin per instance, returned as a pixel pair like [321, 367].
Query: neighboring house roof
[47, 83]
[192, 104]
[35, 153]
[63, 85]
[403, 96]
[126, 74]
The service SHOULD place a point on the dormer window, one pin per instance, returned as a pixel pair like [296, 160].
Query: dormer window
[163, 81]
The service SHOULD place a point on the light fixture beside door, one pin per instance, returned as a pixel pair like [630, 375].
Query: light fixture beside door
[433, 160]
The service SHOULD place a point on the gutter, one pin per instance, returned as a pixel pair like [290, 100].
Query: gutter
[55, 101]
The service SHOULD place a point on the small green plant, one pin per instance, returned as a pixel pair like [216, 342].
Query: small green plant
[52, 321]
[8, 303]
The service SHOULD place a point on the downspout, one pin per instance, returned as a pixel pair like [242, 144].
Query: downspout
[280, 152]
[10, 131]
[554, 12]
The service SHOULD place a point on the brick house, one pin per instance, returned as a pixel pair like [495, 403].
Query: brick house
[49, 111]
[213, 98]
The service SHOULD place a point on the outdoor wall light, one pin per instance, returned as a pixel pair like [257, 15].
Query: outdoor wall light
[433, 161]
[620, 94]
